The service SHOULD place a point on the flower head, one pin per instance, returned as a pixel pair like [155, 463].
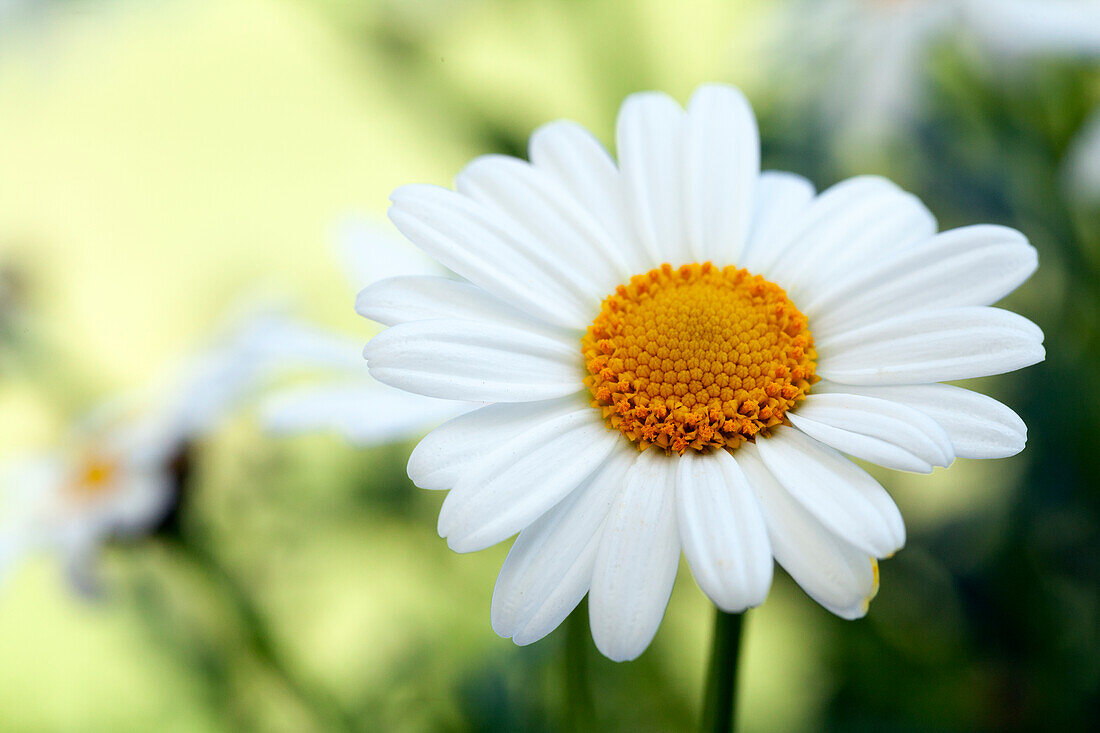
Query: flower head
[114, 473]
[874, 52]
[677, 350]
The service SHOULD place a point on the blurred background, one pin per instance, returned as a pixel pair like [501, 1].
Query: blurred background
[158, 159]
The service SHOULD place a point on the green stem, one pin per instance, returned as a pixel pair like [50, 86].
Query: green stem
[258, 638]
[580, 709]
[720, 700]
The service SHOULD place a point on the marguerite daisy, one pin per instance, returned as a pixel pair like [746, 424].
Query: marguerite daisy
[114, 474]
[875, 52]
[677, 350]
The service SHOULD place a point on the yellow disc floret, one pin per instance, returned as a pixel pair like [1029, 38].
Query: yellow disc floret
[95, 475]
[698, 357]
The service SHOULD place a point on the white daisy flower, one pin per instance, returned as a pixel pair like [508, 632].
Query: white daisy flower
[678, 349]
[113, 476]
[1036, 27]
[1083, 161]
[876, 50]
[346, 399]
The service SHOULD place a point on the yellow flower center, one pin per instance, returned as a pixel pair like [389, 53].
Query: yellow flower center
[697, 357]
[93, 476]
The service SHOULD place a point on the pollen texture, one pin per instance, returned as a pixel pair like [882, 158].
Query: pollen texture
[697, 357]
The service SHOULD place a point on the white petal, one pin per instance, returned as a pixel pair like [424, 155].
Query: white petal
[286, 343]
[856, 223]
[524, 478]
[372, 250]
[363, 411]
[876, 430]
[572, 156]
[649, 138]
[144, 497]
[27, 480]
[780, 200]
[721, 168]
[979, 426]
[637, 560]
[467, 360]
[830, 570]
[825, 218]
[722, 531]
[457, 447]
[549, 568]
[1082, 167]
[843, 497]
[79, 552]
[209, 385]
[534, 202]
[931, 346]
[404, 299]
[484, 247]
[976, 265]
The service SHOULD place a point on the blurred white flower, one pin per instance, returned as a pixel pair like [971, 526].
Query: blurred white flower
[874, 52]
[344, 398]
[651, 398]
[1083, 161]
[112, 475]
[1036, 27]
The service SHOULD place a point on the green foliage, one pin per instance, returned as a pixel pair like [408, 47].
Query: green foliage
[306, 589]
